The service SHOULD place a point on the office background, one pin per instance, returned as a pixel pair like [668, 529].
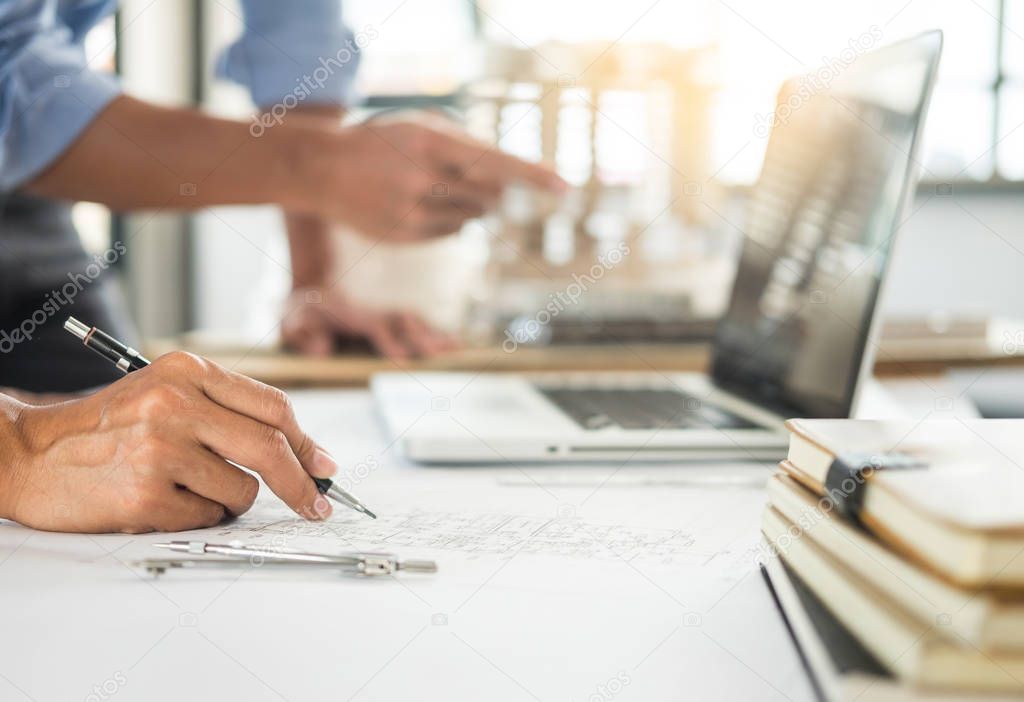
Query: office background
[224, 270]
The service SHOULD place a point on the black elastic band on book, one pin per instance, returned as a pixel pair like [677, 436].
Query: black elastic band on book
[849, 473]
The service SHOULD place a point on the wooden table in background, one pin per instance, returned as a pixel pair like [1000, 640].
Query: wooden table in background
[284, 369]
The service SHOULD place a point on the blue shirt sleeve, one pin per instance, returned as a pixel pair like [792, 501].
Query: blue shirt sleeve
[48, 95]
[294, 53]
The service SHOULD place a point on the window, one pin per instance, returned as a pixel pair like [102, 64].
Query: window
[971, 107]
[974, 130]
[421, 47]
[1010, 96]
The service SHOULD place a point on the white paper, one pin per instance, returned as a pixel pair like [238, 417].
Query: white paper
[549, 592]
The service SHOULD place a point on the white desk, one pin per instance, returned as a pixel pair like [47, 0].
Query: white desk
[683, 615]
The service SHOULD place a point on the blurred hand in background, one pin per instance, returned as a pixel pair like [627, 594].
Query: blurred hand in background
[399, 178]
[405, 178]
[319, 320]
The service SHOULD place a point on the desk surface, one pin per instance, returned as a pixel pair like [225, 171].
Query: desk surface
[673, 608]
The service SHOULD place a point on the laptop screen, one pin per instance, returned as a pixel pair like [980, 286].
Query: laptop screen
[821, 223]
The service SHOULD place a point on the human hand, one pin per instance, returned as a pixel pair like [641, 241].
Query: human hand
[150, 453]
[409, 179]
[318, 317]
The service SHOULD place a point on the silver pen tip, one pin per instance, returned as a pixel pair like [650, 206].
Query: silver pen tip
[342, 496]
[164, 545]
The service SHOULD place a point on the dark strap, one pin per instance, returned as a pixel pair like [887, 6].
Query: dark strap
[850, 472]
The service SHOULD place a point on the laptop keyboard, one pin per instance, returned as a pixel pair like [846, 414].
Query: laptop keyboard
[598, 408]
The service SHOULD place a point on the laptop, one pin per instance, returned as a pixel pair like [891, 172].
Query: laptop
[798, 335]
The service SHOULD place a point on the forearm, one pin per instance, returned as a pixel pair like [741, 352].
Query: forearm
[136, 155]
[312, 249]
[310, 242]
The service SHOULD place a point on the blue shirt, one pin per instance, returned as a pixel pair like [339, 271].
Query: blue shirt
[48, 94]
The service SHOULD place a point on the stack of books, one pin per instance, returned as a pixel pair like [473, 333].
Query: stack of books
[909, 537]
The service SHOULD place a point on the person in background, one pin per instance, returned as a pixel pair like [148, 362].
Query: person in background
[151, 451]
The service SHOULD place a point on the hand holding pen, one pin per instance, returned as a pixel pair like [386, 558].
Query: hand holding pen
[127, 359]
[155, 451]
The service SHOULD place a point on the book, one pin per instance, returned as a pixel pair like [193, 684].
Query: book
[829, 652]
[912, 650]
[947, 494]
[991, 621]
[840, 668]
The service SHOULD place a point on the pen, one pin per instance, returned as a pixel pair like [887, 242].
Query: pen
[326, 486]
[124, 357]
[127, 359]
